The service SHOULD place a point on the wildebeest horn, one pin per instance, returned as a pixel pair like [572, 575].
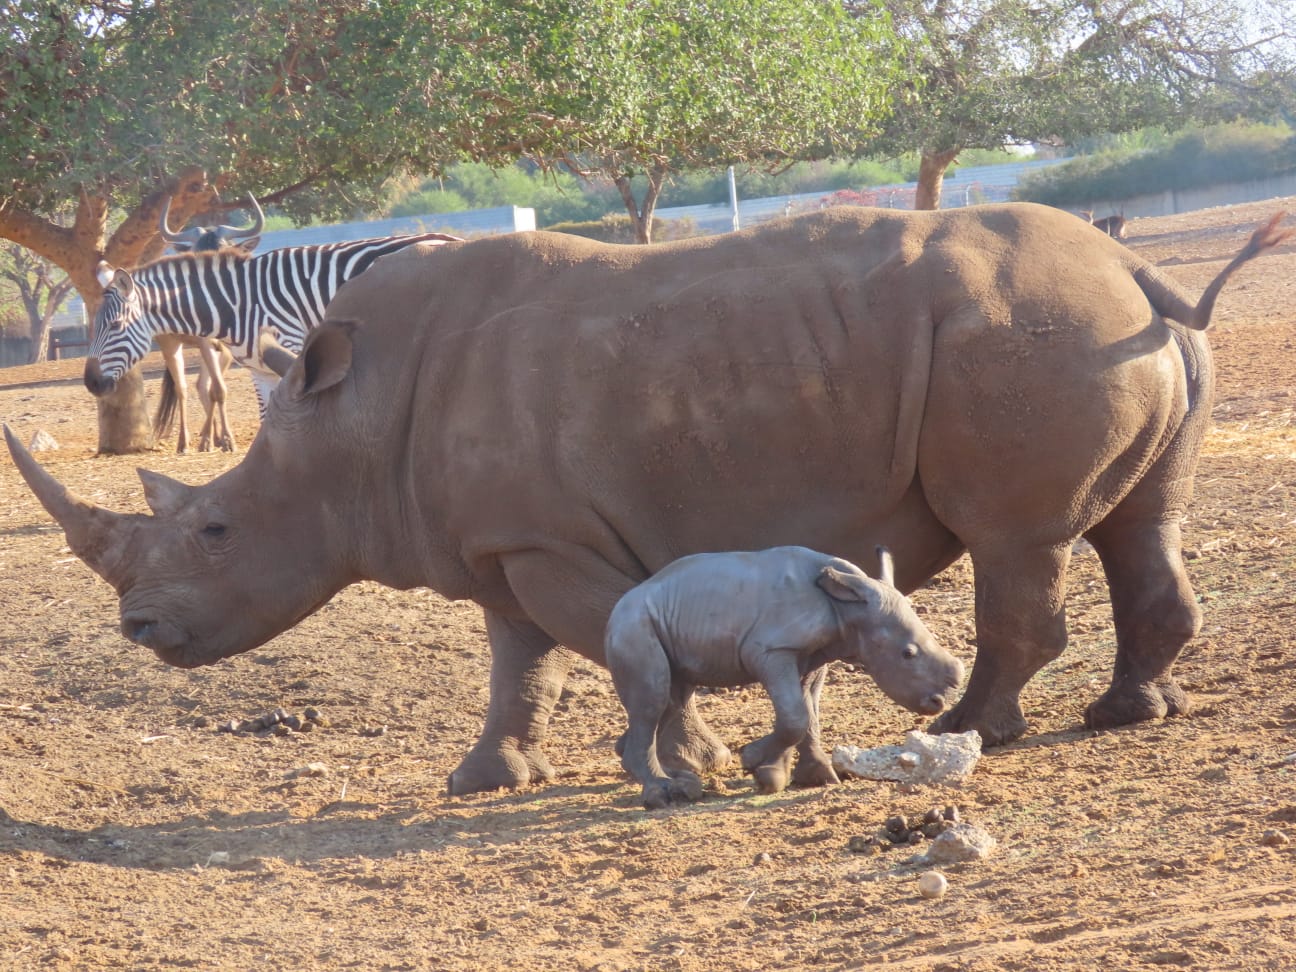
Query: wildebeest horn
[187, 237]
[886, 566]
[93, 533]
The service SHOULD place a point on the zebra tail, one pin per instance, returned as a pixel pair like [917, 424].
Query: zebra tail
[166, 411]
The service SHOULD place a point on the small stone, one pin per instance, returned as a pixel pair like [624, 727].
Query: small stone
[374, 731]
[1274, 838]
[908, 760]
[42, 441]
[762, 858]
[961, 842]
[201, 722]
[932, 884]
[310, 769]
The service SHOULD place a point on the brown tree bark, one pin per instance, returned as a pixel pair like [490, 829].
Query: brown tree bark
[931, 177]
[77, 249]
[641, 216]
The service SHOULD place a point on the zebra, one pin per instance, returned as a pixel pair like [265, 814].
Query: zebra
[226, 294]
[214, 358]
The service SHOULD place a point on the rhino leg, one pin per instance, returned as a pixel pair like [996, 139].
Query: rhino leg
[641, 672]
[686, 742]
[1021, 627]
[769, 759]
[813, 766]
[1155, 613]
[527, 675]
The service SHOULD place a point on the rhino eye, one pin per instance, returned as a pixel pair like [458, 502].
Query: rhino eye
[214, 530]
[910, 651]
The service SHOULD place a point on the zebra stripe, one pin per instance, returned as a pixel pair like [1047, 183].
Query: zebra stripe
[231, 296]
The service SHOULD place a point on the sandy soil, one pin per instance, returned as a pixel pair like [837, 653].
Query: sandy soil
[135, 834]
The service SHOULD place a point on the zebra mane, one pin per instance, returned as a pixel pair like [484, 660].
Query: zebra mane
[231, 254]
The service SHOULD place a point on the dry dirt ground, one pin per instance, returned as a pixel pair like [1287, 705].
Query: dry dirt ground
[134, 834]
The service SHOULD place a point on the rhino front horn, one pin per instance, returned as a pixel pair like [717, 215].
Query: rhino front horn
[94, 534]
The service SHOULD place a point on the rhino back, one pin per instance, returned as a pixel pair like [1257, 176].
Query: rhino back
[770, 387]
[674, 396]
[714, 611]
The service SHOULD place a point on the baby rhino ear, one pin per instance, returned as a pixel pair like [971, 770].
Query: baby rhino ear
[844, 586]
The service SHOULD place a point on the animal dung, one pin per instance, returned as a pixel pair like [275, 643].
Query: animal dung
[279, 722]
[932, 884]
[921, 759]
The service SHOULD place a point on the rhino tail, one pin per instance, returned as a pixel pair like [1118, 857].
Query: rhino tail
[1169, 302]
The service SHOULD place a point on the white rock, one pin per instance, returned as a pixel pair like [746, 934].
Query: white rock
[921, 759]
[42, 441]
[962, 842]
[932, 884]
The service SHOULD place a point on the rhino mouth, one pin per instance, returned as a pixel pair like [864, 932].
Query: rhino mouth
[164, 640]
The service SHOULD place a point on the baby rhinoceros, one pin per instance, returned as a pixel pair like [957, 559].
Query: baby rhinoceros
[777, 617]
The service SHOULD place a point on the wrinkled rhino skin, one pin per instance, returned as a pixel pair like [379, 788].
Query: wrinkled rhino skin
[539, 422]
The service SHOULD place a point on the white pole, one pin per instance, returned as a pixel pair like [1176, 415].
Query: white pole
[733, 199]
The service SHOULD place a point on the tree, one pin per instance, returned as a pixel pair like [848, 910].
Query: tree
[636, 91]
[997, 72]
[40, 293]
[108, 109]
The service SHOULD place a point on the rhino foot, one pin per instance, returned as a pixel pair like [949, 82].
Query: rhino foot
[503, 768]
[683, 787]
[997, 724]
[1141, 702]
[813, 772]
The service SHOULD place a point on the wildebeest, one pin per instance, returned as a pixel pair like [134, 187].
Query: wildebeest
[539, 422]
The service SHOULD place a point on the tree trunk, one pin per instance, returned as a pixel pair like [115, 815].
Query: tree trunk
[641, 217]
[931, 176]
[124, 424]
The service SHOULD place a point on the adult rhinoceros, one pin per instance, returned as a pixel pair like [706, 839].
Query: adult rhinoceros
[539, 422]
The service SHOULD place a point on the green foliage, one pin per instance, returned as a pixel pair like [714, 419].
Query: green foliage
[1198, 157]
[997, 72]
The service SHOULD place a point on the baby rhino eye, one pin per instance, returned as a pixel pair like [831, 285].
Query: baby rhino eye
[910, 651]
[214, 530]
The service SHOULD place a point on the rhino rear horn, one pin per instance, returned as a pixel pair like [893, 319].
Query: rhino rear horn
[94, 534]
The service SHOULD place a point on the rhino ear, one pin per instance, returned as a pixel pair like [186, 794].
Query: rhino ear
[163, 494]
[324, 361]
[843, 585]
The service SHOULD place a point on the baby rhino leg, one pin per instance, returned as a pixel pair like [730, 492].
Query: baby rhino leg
[641, 674]
[769, 759]
[813, 766]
